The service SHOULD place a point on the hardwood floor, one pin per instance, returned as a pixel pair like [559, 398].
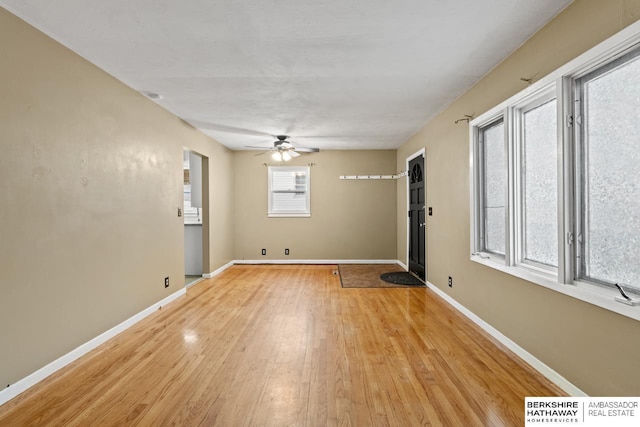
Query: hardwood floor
[286, 345]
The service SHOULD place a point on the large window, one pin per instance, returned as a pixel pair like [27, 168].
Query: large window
[494, 190]
[556, 178]
[539, 187]
[609, 232]
[289, 191]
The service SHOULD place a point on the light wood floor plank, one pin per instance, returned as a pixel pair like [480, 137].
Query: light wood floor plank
[287, 345]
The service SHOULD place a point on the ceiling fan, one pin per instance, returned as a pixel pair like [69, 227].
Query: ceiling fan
[285, 150]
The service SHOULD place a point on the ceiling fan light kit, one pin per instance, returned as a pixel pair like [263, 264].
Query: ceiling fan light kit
[284, 155]
[284, 150]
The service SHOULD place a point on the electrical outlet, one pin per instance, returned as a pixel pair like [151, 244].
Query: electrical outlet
[286, 251]
[264, 252]
[430, 211]
[166, 282]
[450, 282]
[179, 211]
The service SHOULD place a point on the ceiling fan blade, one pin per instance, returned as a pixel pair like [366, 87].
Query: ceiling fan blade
[293, 153]
[286, 145]
[260, 154]
[258, 148]
[307, 149]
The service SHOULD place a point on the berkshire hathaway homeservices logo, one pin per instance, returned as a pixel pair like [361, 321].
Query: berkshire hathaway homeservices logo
[582, 411]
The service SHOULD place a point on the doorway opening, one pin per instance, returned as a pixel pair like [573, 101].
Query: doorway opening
[195, 214]
[416, 223]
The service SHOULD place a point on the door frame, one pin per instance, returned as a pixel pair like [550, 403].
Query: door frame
[421, 152]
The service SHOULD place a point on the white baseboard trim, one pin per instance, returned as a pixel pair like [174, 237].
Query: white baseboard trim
[315, 261]
[42, 373]
[403, 265]
[537, 364]
[218, 271]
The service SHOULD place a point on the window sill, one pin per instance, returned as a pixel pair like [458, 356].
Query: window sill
[289, 215]
[592, 294]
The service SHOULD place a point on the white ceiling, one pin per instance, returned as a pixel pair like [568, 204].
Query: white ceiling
[334, 74]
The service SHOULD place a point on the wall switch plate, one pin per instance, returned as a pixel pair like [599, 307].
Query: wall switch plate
[179, 211]
[430, 211]
[450, 282]
[286, 251]
[166, 282]
[264, 252]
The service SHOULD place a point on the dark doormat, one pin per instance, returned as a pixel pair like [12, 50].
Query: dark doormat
[368, 276]
[401, 278]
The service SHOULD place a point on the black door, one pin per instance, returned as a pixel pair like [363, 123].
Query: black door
[417, 223]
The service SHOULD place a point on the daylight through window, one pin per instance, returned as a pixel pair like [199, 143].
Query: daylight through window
[555, 177]
[289, 188]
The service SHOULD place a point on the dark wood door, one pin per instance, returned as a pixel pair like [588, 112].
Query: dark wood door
[417, 223]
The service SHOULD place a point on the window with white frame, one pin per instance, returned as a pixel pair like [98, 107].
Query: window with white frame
[493, 197]
[609, 164]
[538, 188]
[555, 176]
[289, 191]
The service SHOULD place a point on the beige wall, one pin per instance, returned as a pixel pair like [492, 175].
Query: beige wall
[218, 200]
[595, 349]
[90, 182]
[349, 219]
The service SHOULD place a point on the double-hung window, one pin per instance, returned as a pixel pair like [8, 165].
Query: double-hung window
[555, 178]
[289, 191]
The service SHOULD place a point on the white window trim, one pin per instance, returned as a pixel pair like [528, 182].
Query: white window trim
[559, 81]
[284, 214]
